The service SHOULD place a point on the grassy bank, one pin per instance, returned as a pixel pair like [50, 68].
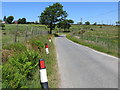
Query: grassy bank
[21, 32]
[103, 39]
[20, 64]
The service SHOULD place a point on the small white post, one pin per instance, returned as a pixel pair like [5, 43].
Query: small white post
[46, 48]
[50, 40]
[43, 74]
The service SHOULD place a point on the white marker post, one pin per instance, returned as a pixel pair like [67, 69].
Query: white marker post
[50, 39]
[46, 48]
[43, 74]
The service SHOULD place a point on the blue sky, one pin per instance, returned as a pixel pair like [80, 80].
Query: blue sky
[106, 12]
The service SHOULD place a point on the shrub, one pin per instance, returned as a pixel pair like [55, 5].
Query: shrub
[19, 69]
[37, 44]
[16, 47]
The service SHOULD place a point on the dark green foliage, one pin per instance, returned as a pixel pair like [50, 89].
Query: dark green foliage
[56, 34]
[3, 25]
[4, 19]
[52, 14]
[29, 22]
[37, 44]
[22, 21]
[87, 23]
[19, 21]
[10, 19]
[95, 23]
[118, 22]
[65, 24]
[19, 70]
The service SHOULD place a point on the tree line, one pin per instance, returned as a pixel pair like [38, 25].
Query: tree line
[53, 16]
[87, 23]
[9, 20]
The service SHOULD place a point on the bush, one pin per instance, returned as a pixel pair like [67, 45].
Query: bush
[37, 44]
[16, 47]
[87, 23]
[19, 69]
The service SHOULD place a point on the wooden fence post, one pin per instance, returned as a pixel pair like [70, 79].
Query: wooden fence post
[16, 33]
[26, 32]
[32, 31]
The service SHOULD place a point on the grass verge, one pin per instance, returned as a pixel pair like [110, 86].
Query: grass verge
[91, 45]
[20, 64]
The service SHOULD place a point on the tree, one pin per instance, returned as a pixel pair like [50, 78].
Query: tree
[19, 21]
[87, 23]
[52, 14]
[23, 21]
[4, 19]
[65, 24]
[10, 19]
[95, 23]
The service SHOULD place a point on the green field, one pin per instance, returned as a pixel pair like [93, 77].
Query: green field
[21, 32]
[20, 60]
[101, 38]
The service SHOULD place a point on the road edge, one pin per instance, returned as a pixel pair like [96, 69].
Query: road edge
[93, 49]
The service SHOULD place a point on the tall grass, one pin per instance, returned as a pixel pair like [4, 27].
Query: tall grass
[19, 77]
[103, 39]
[21, 32]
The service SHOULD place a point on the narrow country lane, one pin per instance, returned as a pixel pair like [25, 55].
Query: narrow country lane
[82, 67]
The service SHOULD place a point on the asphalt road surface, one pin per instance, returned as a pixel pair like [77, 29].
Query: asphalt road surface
[82, 67]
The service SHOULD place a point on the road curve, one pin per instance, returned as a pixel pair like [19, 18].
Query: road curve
[82, 67]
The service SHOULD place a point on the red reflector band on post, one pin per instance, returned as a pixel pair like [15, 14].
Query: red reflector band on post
[46, 46]
[42, 64]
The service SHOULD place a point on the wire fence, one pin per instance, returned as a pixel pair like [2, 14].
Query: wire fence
[21, 34]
